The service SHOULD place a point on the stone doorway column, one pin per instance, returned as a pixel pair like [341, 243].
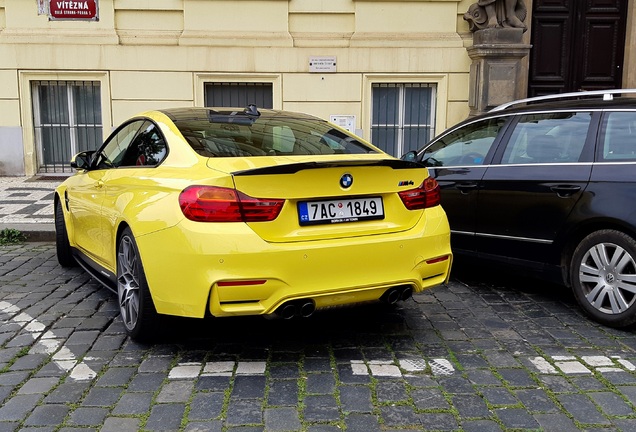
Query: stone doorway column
[497, 73]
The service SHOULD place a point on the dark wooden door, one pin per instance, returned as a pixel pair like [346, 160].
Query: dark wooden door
[576, 45]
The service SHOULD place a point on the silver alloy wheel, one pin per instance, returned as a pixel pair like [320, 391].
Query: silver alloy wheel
[608, 277]
[128, 282]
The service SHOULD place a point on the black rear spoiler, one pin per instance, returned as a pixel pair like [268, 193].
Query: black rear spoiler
[293, 168]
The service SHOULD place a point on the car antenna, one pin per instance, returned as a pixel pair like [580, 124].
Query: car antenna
[252, 110]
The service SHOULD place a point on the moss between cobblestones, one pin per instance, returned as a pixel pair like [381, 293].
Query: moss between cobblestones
[302, 392]
[334, 368]
[553, 397]
[491, 407]
[612, 388]
[455, 361]
[143, 419]
[551, 394]
[301, 383]
[24, 351]
[228, 392]
[186, 411]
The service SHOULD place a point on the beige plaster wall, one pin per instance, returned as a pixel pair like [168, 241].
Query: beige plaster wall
[159, 53]
[2, 15]
[410, 17]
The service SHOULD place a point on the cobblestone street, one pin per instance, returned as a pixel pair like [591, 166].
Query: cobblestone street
[496, 354]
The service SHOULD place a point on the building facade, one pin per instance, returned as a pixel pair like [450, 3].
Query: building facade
[394, 71]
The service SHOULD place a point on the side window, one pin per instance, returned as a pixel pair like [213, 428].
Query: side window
[113, 152]
[147, 149]
[618, 135]
[548, 138]
[465, 146]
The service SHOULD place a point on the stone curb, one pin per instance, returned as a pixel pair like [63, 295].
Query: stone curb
[36, 232]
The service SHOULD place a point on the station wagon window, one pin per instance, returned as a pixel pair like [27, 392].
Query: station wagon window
[618, 134]
[548, 138]
[465, 146]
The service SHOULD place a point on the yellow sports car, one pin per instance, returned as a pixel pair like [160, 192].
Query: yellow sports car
[224, 212]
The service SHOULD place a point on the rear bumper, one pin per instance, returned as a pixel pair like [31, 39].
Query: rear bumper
[228, 270]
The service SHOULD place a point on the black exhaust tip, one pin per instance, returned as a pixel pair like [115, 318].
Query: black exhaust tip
[391, 296]
[407, 293]
[302, 308]
[395, 294]
[307, 309]
[286, 311]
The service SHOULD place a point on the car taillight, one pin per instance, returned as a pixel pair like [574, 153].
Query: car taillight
[218, 204]
[425, 196]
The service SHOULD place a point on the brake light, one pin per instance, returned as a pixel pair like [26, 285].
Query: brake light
[218, 204]
[425, 196]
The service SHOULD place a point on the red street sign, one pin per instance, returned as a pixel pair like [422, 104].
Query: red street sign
[73, 9]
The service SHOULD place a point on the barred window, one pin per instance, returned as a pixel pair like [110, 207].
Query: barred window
[67, 118]
[238, 94]
[403, 116]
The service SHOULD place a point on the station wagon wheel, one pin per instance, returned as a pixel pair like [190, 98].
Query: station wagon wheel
[135, 302]
[62, 244]
[603, 274]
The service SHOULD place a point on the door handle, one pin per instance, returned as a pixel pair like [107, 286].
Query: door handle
[98, 184]
[564, 191]
[465, 188]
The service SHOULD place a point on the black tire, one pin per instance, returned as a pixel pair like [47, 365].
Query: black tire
[603, 275]
[137, 309]
[62, 245]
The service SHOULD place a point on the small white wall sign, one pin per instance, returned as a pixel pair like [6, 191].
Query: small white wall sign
[347, 122]
[322, 64]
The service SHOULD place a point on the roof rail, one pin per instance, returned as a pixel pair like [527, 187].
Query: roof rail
[607, 95]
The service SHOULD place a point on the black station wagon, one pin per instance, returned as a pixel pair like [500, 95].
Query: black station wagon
[548, 184]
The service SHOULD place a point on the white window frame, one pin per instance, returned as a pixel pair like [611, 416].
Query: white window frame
[72, 119]
[439, 81]
[26, 109]
[200, 79]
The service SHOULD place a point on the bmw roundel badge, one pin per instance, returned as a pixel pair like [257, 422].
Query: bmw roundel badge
[346, 181]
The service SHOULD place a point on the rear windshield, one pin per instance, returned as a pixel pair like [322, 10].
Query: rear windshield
[225, 136]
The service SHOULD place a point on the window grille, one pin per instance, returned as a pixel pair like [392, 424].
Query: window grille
[67, 119]
[239, 94]
[403, 116]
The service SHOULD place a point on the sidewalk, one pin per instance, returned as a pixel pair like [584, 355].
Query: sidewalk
[26, 204]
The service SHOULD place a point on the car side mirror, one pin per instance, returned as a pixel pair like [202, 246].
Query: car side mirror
[82, 160]
[410, 156]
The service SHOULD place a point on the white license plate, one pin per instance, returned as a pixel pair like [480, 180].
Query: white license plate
[341, 210]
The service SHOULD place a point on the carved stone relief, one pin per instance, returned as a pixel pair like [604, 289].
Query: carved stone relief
[496, 14]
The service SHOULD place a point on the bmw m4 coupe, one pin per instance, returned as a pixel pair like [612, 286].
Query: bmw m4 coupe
[200, 212]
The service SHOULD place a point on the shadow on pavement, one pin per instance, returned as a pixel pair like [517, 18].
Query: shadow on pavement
[367, 323]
